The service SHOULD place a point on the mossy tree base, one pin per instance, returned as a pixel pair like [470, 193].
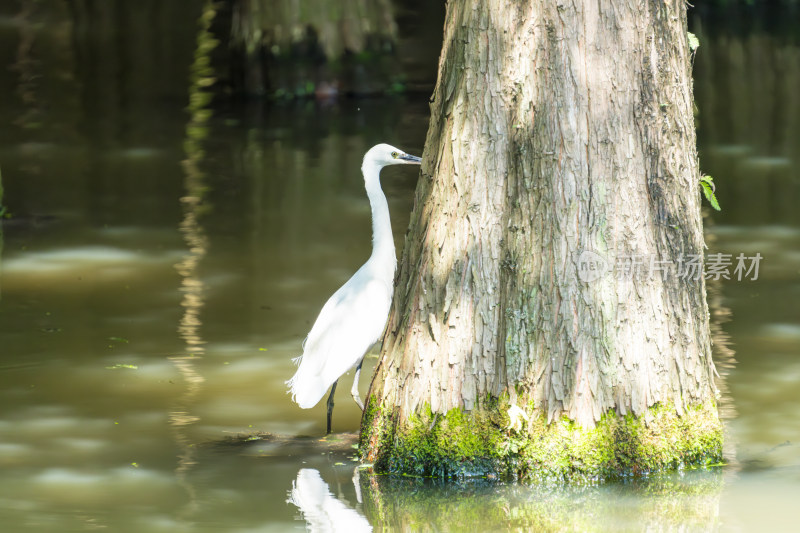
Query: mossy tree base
[489, 443]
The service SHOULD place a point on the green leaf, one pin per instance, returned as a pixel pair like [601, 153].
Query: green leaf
[694, 42]
[707, 183]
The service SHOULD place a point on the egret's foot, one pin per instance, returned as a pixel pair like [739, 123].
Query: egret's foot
[354, 390]
[357, 398]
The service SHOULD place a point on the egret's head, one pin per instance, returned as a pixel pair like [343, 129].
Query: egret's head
[381, 155]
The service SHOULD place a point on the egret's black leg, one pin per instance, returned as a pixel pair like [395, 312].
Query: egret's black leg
[330, 406]
[354, 390]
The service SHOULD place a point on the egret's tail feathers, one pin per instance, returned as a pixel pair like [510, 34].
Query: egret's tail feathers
[307, 398]
[306, 390]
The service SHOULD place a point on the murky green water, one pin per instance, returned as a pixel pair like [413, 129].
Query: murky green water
[160, 270]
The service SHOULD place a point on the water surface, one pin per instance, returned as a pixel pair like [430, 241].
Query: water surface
[162, 266]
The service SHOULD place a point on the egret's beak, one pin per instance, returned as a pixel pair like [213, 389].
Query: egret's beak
[412, 159]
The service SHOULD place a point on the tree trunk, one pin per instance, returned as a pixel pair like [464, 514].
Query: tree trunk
[561, 139]
[286, 48]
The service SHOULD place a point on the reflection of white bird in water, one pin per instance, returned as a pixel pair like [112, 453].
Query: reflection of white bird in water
[353, 318]
[321, 510]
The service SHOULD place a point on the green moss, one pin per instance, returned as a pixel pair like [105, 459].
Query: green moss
[484, 443]
[454, 444]
[367, 419]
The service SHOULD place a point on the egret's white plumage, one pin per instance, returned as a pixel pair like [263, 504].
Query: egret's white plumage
[353, 318]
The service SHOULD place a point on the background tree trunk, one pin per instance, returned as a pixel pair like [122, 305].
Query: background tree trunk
[285, 48]
[2, 216]
[560, 133]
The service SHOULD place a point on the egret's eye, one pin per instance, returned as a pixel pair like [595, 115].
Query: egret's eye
[395, 154]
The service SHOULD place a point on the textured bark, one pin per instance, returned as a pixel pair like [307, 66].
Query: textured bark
[290, 48]
[556, 128]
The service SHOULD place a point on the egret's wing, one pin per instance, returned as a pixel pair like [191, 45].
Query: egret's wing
[348, 324]
[345, 331]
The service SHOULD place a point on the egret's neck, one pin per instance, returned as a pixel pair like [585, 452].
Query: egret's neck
[383, 255]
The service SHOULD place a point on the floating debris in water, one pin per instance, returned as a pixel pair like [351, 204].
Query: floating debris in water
[122, 365]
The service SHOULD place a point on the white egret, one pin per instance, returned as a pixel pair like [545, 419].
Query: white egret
[352, 320]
